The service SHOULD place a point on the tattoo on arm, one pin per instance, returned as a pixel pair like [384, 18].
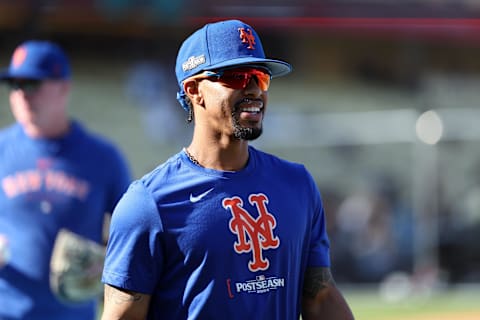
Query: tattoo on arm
[120, 296]
[316, 279]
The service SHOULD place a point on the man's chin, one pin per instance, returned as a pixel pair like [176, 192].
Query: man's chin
[247, 133]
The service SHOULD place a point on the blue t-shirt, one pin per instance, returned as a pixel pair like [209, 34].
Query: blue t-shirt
[210, 244]
[45, 185]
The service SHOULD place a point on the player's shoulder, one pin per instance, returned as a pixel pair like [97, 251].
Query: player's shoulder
[274, 166]
[10, 131]
[264, 158]
[10, 136]
[84, 137]
[156, 184]
[136, 206]
[164, 173]
[83, 133]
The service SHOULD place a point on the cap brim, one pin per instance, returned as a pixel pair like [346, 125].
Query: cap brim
[277, 67]
[6, 75]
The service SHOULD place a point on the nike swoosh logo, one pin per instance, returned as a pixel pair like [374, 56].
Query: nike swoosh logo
[194, 199]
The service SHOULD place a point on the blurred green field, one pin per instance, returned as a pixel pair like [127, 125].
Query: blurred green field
[454, 304]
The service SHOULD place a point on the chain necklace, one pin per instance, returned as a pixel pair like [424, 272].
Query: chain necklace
[192, 158]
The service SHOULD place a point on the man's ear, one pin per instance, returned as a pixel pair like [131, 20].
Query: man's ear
[192, 91]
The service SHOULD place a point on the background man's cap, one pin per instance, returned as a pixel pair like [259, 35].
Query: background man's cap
[36, 59]
[223, 44]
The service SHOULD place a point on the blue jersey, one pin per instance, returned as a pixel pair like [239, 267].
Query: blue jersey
[210, 244]
[45, 185]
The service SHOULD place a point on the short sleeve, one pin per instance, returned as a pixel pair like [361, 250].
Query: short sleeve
[134, 256]
[121, 180]
[319, 249]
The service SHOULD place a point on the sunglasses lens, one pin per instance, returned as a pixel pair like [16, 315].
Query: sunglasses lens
[263, 79]
[239, 79]
[25, 85]
[235, 80]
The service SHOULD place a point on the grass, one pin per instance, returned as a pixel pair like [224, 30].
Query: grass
[454, 304]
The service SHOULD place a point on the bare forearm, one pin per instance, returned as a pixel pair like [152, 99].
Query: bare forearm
[322, 299]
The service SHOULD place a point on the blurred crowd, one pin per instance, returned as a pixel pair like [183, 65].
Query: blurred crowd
[373, 236]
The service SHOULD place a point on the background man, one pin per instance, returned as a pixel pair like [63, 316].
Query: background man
[54, 175]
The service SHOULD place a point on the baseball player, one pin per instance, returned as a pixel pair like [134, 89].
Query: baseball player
[222, 230]
[54, 176]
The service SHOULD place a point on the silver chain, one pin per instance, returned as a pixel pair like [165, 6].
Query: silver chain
[192, 158]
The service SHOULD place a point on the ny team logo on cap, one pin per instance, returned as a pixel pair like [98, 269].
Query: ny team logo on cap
[19, 57]
[246, 35]
[37, 59]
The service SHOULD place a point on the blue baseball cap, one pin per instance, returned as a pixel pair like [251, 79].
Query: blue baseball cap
[222, 44]
[35, 59]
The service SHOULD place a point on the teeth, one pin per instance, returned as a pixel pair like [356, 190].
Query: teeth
[251, 105]
[251, 109]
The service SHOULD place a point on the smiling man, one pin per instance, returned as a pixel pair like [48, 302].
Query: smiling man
[222, 230]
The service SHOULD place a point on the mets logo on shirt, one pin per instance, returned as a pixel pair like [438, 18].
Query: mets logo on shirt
[254, 235]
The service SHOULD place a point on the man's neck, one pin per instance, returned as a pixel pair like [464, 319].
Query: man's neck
[231, 157]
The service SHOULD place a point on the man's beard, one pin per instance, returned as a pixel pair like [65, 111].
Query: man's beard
[244, 133]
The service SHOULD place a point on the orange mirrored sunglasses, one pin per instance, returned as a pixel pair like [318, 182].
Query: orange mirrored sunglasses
[238, 78]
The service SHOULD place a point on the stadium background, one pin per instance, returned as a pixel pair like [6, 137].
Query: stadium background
[382, 107]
